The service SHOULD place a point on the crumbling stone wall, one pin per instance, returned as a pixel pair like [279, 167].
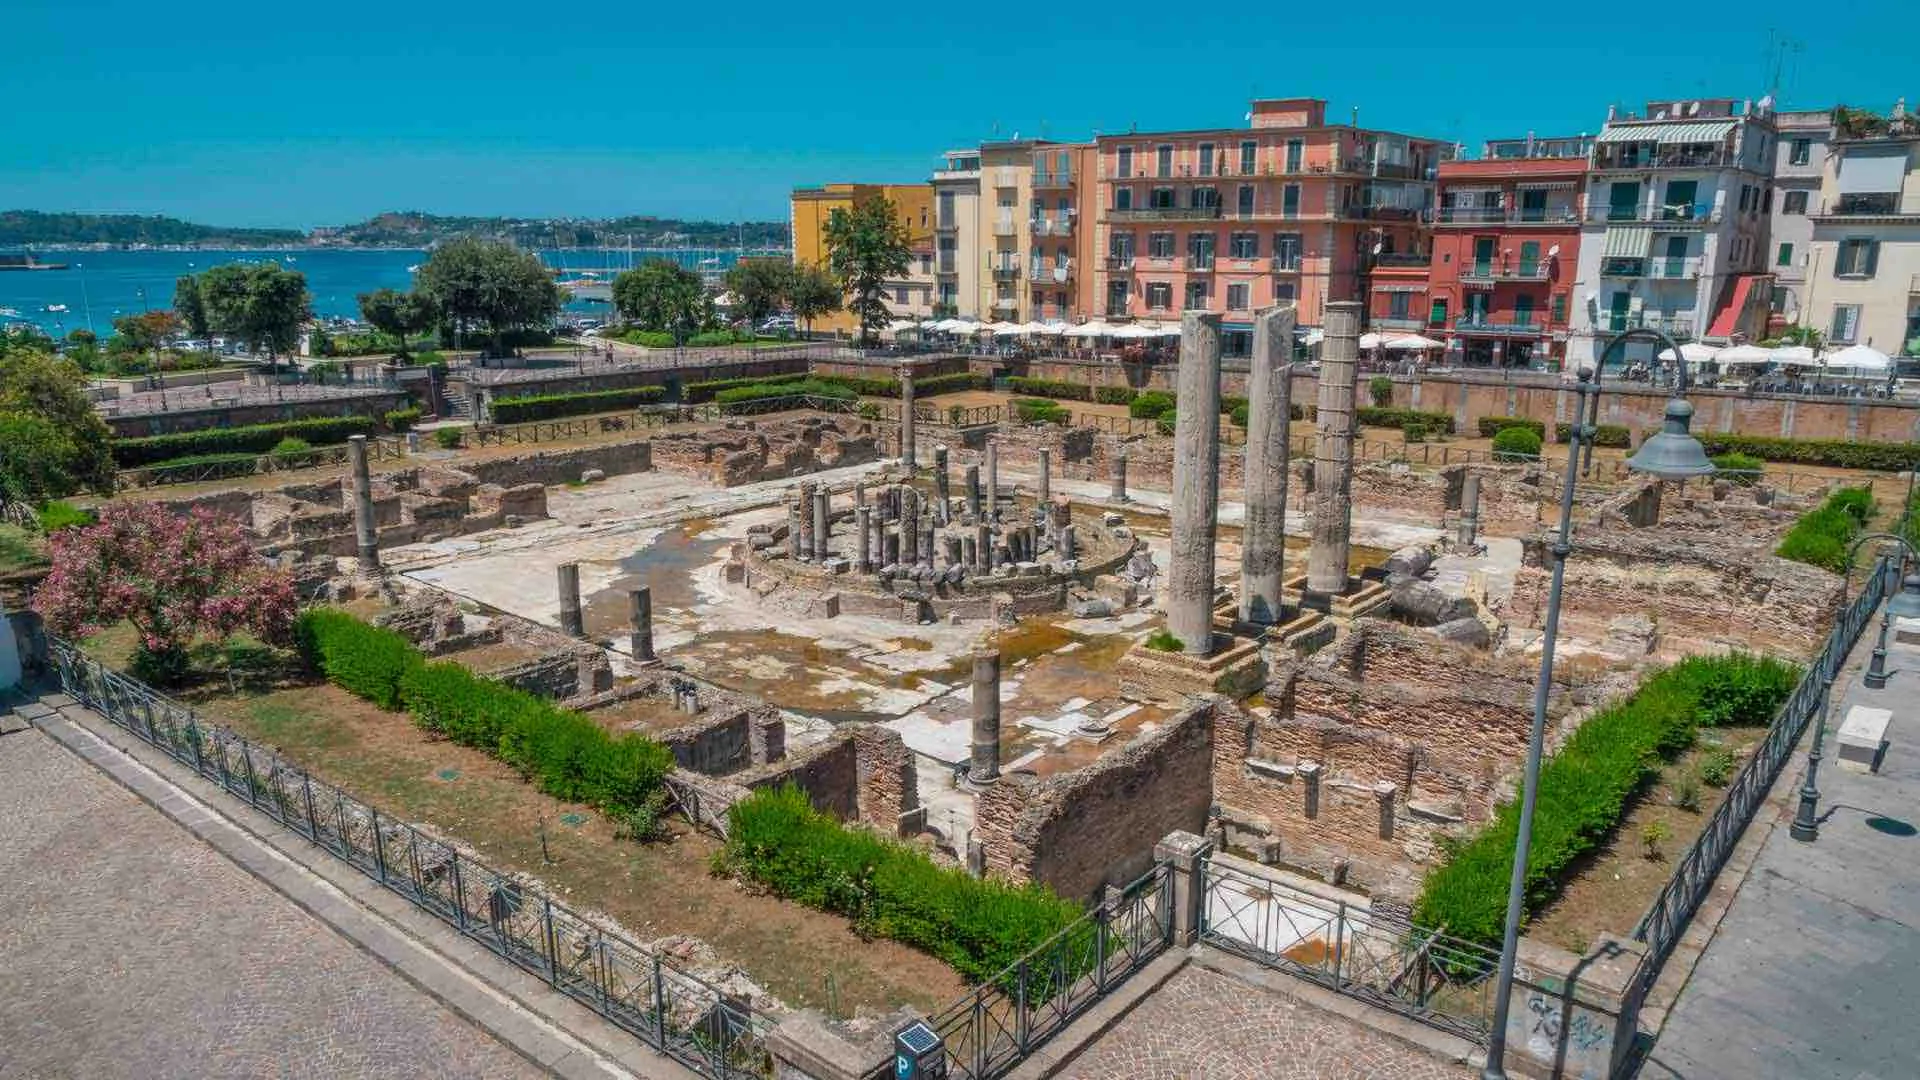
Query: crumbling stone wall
[561, 466]
[746, 451]
[1374, 747]
[1097, 825]
[861, 773]
[559, 675]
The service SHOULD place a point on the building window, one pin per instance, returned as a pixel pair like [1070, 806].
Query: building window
[1120, 245]
[1794, 202]
[1236, 343]
[1160, 198]
[1802, 151]
[1239, 296]
[1785, 257]
[1283, 292]
[1249, 154]
[1399, 305]
[1200, 251]
[1559, 309]
[1206, 159]
[1245, 205]
[1437, 315]
[900, 295]
[1163, 160]
[1857, 257]
[1290, 201]
[1160, 245]
[1206, 198]
[1523, 310]
[1196, 296]
[1123, 198]
[1116, 298]
[1286, 251]
[1159, 295]
[1294, 149]
[1846, 323]
[1123, 162]
[1244, 245]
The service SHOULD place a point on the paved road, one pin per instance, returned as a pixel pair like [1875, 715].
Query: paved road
[1815, 972]
[128, 948]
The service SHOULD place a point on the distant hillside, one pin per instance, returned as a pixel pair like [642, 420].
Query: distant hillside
[415, 229]
[21, 227]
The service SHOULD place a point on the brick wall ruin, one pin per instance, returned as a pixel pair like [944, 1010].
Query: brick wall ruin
[860, 773]
[746, 451]
[1097, 825]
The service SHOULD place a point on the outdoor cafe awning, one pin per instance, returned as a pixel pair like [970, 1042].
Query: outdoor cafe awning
[1702, 131]
[1628, 242]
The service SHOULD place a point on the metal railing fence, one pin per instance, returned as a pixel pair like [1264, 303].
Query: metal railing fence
[672, 1010]
[228, 467]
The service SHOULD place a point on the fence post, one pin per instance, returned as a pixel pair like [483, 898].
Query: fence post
[659, 1005]
[459, 894]
[246, 758]
[1100, 946]
[1020, 1020]
[1339, 941]
[379, 847]
[553, 946]
[1185, 855]
[313, 826]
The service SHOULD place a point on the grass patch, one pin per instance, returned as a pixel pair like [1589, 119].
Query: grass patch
[1823, 536]
[20, 550]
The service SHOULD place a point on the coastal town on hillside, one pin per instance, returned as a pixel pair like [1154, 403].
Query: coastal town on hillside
[1288, 600]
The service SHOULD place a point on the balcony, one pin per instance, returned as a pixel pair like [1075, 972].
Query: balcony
[1052, 179]
[1870, 206]
[1531, 215]
[1383, 213]
[1005, 226]
[1678, 327]
[1489, 273]
[1003, 269]
[1659, 269]
[1119, 264]
[1006, 303]
[945, 265]
[1402, 261]
[1054, 226]
[1383, 322]
[1197, 264]
[1507, 327]
[1285, 264]
[1664, 158]
[1167, 213]
[1677, 214]
[1044, 273]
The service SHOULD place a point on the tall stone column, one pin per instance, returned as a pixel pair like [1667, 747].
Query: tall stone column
[1119, 461]
[906, 416]
[984, 767]
[993, 480]
[793, 528]
[983, 536]
[973, 493]
[1269, 400]
[1470, 510]
[1196, 483]
[365, 530]
[863, 528]
[942, 488]
[806, 519]
[1333, 454]
[822, 522]
[1045, 495]
[640, 613]
[572, 622]
[909, 526]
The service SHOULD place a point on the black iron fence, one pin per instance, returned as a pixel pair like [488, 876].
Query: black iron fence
[230, 466]
[578, 427]
[676, 1012]
[1395, 965]
[997, 1024]
[1694, 872]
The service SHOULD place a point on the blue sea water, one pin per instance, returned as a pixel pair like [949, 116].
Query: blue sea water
[99, 286]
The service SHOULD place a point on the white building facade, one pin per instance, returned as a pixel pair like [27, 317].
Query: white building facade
[1864, 271]
[1799, 166]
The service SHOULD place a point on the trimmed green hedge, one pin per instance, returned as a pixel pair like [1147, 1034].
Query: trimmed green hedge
[1822, 535]
[1041, 411]
[1239, 415]
[1603, 435]
[563, 753]
[1839, 453]
[979, 927]
[695, 393]
[251, 439]
[931, 386]
[402, 419]
[518, 410]
[1516, 443]
[1150, 405]
[1585, 786]
[1051, 388]
[1113, 395]
[1493, 425]
[1369, 416]
[1736, 462]
[797, 388]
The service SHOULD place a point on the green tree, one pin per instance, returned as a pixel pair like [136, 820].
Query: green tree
[191, 308]
[261, 304]
[489, 284]
[663, 296]
[399, 315]
[866, 246]
[44, 403]
[760, 287]
[143, 333]
[813, 292]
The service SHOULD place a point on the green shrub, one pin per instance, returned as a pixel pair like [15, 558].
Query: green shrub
[447, 438]
[516, 410]
[931, 386]
[1856, 501]
[1610, 435]
[402, 419]
[1239, 415]
[647, 339]
[695, 393]
[1041, 411]
[1113, 395]
[979, 927]
[1652, 835]
[1380, 391]
[57, 515]
[1050, 388]
[1393, 418]
[1516, 444]
[1150, 405]
[289, 446]
[366, 661]
[1585, 785]
[1231, 402]
[740, 395]
[1166, 422]
[710, 338]
[1493, 425]
[1716, 768]
[253, 439]
[1822, 536]
[1413, 431]
[1734, 461]
[1839, 453]
[1162, 640]
[1686, 792]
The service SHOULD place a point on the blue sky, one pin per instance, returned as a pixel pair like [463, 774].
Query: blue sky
[274, 114]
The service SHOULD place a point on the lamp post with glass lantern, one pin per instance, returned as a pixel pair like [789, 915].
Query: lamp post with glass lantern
[1670, 454]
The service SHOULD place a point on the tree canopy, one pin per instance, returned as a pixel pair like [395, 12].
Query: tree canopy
[663, 296]
[399, 315]
[812, 292]
[490, 285]
[866, 246]
[144, 332]
[760, 287]
[262, 304]
[54, 442]
[191, 308]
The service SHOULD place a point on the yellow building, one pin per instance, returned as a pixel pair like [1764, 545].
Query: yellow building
[912, 295]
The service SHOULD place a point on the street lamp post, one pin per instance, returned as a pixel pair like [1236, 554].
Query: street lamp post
[1671, 454]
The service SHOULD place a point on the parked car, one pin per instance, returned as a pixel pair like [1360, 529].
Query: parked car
[778, 324]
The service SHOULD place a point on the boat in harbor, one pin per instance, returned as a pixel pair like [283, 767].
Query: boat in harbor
[56, 309]
[18, 261]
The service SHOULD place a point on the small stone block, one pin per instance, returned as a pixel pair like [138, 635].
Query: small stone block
[1862, 737]
[1906, 631]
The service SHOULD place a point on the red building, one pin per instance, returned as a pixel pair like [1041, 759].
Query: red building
[1498, 287]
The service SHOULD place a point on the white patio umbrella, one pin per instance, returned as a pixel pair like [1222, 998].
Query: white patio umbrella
[1370, 341]
[1093, 329]
[1312, 335]
[1001, 328]
[1696, 353]
[1131, 332]
[1795, 355]
[951, 326]
[931, 324]
[1860, 360]
[1743, 356]
[1413, 343]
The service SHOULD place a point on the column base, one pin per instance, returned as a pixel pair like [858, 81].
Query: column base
[1236, 667]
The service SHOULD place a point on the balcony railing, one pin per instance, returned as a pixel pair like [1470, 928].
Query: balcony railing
[1671, 269]
[1672, 158]
[1887, 204]
[1043, 179]
[1166, 213]
[1676, 214]
[1383, 213]
[1198, 263]
[1402, 260]
[1044, 272]
[1285, 264]
[1054, 226]
[1677, 327]
[1488, 273]
[946, 265]
[1005, 226]
[1003, 269]
[1392, 322]
[1493, 324]
[1483, 215]
[1006, 303]
[1119, 264]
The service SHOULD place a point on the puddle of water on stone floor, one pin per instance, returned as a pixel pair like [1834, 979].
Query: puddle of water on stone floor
[665, 566]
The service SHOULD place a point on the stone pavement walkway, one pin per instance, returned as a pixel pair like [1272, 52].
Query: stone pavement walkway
[129, 948]
[1204, 1024]
[1815, 970]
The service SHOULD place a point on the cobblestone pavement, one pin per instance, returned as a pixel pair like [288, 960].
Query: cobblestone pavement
[1203, 1025]
[128, 948]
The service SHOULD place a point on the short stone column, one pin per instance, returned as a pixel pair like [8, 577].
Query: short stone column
[993, 480]
[806, 520]
[909, 525]
[365, 530]
[1065, 547]
[822, 522]
[863, 528]
[1185, 854]
[892, 545]
[793, 528]
[1469, 511]
[572, 622]
[1196, 484]
[1333, 454]
[1044, 492]
[1119, 465]
[942, 486]
[973, 494]
[640, 614]
[984, 766]
[906, 416]
[983, 537]
[1269, 402]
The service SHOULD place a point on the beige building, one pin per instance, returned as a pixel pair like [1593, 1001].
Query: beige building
[1006, 193]
[958, 265]
[1863, 275]
[1799, 168]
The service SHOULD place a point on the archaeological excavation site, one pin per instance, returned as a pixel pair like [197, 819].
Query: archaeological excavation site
[1244, 684]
